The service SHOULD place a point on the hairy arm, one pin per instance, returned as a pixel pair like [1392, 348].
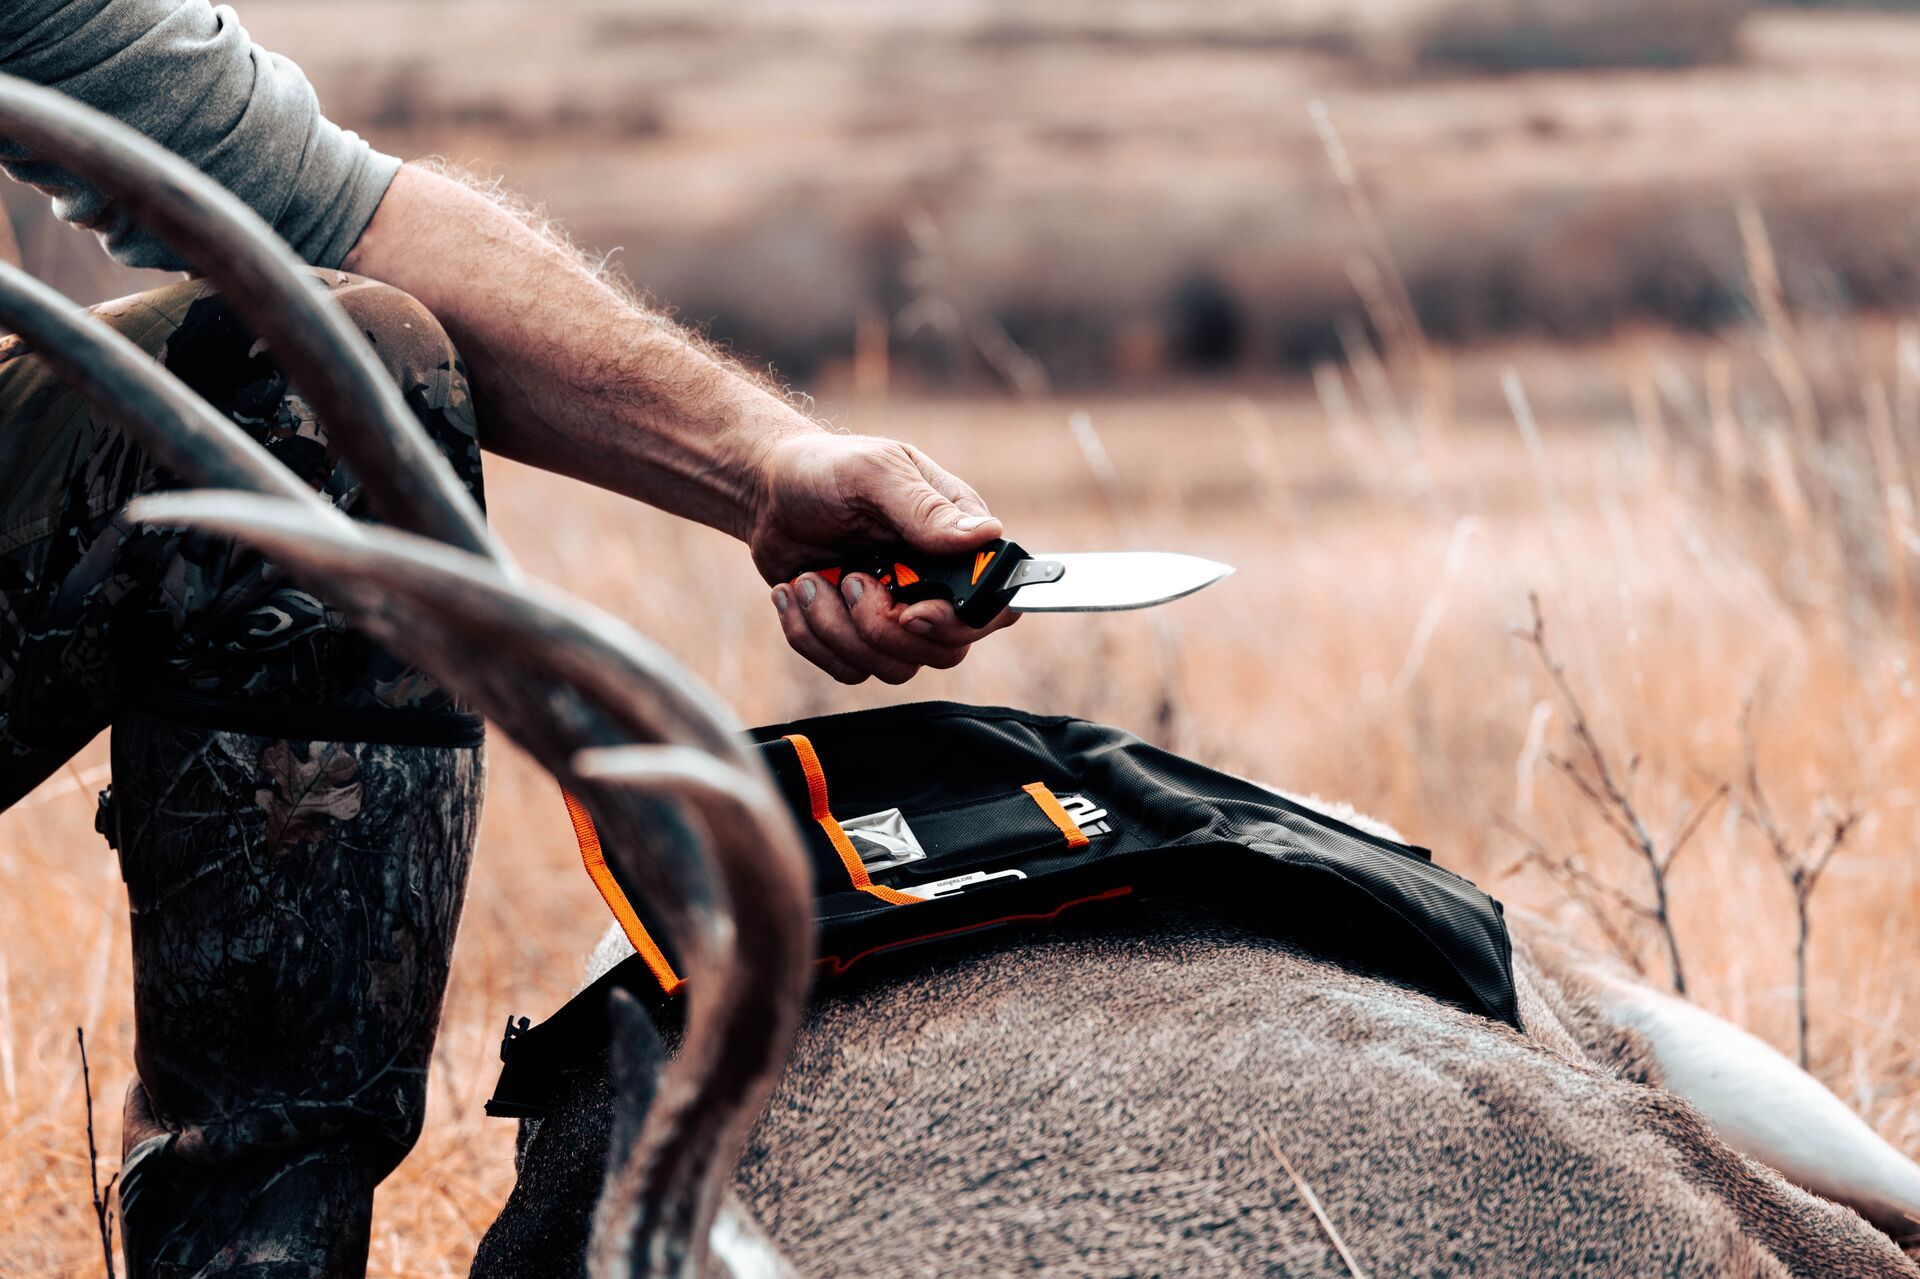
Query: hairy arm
[577, 377]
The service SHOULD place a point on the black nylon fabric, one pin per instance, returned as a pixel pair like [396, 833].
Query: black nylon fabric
[956, 774]
[979, 836]
[1169, 815]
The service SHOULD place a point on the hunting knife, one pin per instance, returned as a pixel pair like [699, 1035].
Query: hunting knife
[1002, 575]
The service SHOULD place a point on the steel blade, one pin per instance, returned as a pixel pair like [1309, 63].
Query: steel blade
[1105, 581]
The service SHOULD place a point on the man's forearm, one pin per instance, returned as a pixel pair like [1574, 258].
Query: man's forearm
[575, 377]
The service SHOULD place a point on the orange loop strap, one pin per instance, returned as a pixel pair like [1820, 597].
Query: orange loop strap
[849, 855]
[623, 912]
[1076, 838]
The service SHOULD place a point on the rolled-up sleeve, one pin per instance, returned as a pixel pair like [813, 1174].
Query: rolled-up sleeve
[187, 75]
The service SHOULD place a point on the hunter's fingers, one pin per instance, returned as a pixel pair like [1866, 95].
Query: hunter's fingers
[949, 485]
[802, 640]
[878, 619]
[905, 489]
[825, 615]
[935, 620]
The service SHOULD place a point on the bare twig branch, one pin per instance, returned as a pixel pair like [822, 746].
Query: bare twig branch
[1802, 861]
[102, 1199]
[1690, 824]
[1602, 803]
[1580, 875]
[1753, 802]
[1621, 944]
[1594, 777]
[1584, 889]
[1609, 797]
[1837, 833]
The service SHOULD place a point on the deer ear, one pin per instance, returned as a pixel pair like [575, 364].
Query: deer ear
[635, 1059]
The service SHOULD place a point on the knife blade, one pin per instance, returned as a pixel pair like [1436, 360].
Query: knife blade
[1002, 574]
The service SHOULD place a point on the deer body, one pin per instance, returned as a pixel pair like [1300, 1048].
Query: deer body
[1107, 1102]
[1106, 1098]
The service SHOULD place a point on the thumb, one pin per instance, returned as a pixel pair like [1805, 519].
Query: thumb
[927, 520]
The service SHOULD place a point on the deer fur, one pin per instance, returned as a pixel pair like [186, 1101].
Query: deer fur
[1107, 1097]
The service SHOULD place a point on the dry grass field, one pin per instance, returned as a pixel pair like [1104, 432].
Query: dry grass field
[1719, 526]
[1691, 555]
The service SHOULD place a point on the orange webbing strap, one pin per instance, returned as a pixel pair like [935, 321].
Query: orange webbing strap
[616, 900]
[1076, 838]
[849, 855]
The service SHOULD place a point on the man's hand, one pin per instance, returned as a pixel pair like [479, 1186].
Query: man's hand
[827, 493]
[575, 377]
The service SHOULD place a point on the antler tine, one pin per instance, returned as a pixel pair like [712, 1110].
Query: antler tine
[654, 1219]
[562, 678]
[449, 611]
[407, 479]
[123, 384]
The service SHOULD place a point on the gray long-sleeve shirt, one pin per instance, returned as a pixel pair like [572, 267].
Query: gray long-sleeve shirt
[187, 75]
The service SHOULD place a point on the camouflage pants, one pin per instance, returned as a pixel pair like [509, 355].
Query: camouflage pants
[294, 808]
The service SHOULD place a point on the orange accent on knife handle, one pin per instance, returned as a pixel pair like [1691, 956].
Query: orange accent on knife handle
[975, 581]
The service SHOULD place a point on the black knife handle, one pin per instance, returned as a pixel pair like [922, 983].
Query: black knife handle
[975, 581]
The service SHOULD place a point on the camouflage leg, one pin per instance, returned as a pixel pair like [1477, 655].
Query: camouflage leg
[294, 900]
[294, 906]
[295, 872]
[95, 612]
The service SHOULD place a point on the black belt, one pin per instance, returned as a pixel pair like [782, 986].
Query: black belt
[380, 725]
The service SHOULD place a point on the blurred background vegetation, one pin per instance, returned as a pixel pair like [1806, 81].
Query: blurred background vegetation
[1136, 189]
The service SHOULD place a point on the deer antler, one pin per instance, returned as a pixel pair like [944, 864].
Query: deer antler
[557, 675]
[321, 350]
[642, 1215]
[564, 679]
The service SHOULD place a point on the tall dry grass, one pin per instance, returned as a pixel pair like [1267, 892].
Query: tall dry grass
[1694, 550]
